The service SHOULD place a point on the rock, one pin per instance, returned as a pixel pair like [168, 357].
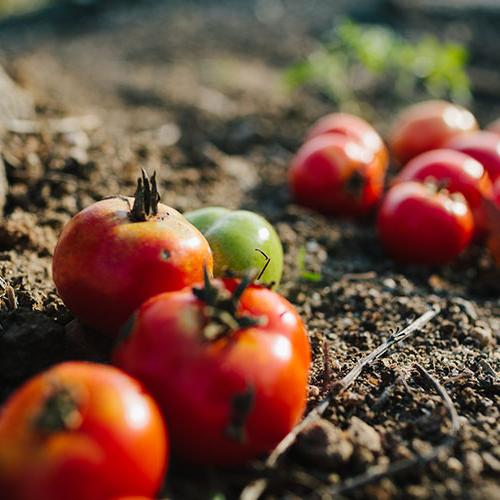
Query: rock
[364, 435]
[324, 445]
[15, 103]
[4, 187]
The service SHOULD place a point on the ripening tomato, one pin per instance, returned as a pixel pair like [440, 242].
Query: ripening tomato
[353, 127]
[455, 171]
[494, 126]
[228, 365]
[418, 223]
[483, 146]
[118, 252]
[333, 174]
[241, 242]
[426, 126]
[81, 431]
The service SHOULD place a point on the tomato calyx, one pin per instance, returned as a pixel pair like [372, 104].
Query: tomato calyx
[241, 407]
[146, 198]
[59, 411]
[221, 308]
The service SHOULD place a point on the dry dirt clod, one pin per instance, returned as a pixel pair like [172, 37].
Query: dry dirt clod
[324, 444]
[365, 439]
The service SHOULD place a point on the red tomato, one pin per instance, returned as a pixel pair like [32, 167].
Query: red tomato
[417, 223]
[458, 172]
[230, 375]
[483, 146]
[496, 192]
[494, 126]
[353, 127]
[109, 260]
[81, 431]
[333, 174]
[426, 126]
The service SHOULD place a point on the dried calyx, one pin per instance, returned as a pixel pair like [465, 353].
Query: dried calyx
[59, 411]
[221, 308]
[146, 198]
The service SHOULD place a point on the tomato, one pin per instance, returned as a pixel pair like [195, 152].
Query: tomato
[493, 217]
[241, 242]
[417, 223]
[81, 431]
[494, 126]
[228, 368]
[426, 126]
[333, 174]
[483, 146]
[496, 192]
[113, 255]
[353, 127]
[455, 171]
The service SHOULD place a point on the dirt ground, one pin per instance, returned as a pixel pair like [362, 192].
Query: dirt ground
[195, 91]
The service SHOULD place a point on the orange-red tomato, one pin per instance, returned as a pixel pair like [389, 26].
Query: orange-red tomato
[483, 146]
[230, 375]
[353, 127]
[81, 431]
[334, 174]
[107, 263]
[426, 126]
[455, 171]
[419, 224]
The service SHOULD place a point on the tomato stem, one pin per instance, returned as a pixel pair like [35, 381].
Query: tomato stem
[146, 198]
[59, 411]
[221, 308]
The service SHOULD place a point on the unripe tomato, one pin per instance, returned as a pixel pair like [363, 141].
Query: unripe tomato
[227, 365]
[483, 146]
[110, 259]
[333, 174]
[81, 431]
[241, 242]
[353, 127]
[455, 171]
[494, 126]
[417, 223]
[426, 126]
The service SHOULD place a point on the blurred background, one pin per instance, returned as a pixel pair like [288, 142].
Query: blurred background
[227, 57]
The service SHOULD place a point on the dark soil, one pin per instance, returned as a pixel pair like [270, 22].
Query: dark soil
[194, 90]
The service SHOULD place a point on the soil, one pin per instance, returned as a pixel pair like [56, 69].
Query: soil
[194, 90]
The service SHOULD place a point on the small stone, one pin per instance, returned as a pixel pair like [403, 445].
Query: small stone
[473, 464]
[482, 335]
[324, 444]
[454, 465]
[366, 440]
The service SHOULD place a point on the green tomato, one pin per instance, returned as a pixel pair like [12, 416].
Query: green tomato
[203, 218]
[241, 242]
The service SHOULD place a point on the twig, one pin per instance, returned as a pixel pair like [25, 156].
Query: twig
[254, 490]
[377, 473]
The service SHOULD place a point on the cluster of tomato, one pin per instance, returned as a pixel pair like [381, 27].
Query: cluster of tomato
[221, 363]
[447, 192]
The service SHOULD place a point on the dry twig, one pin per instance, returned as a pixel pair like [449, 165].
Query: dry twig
[254, 490]
[377, 473]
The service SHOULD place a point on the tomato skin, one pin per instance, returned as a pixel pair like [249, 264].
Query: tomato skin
[417, 224]
[353, 127]
[483, 146]
[336, 175]
[234, 237]
[105, 266]
[494, 126]
[118, 448]
[426, 126]
[196, 381]
[459, 172]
